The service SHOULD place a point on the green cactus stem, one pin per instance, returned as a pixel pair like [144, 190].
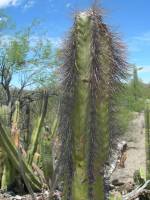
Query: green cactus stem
[36, 131]
[15, 131]
[8, 175]
[147, 139]
[46, 157]
[92, 75]
[9, 172]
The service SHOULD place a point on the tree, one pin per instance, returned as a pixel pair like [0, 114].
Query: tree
[27, 57]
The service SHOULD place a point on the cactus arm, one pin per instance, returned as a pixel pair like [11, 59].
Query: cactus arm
[36, 131]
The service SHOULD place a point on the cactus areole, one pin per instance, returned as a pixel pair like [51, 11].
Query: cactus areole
[93, 68]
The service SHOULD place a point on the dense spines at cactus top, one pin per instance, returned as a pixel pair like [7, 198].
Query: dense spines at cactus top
[92, 75]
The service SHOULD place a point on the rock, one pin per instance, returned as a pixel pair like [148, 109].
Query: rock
[116, 182]
[17, 197]
[57, 195]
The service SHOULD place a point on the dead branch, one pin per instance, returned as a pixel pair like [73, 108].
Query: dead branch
[137, 192]
[114, 157]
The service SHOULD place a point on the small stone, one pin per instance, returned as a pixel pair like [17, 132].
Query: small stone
[18, 197]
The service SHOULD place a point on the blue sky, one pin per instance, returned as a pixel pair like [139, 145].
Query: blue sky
[130, 18]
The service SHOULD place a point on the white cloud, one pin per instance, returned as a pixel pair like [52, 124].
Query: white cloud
[138, 43]
[5, 39]
[145, 37]
[56, 41]
[68, 5]
[6, 3]
[29, 4]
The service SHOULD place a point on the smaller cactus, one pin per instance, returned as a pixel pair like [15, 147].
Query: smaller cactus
[47, 152]
[17, 161]
[147, 138]
[8, 175]
[37, 131]
[15, 132]
[4, 114]
[2, 162]
[46, 158]
[14, 157]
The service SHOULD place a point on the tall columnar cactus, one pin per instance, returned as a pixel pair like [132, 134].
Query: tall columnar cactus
[147, 138]
[94, 65]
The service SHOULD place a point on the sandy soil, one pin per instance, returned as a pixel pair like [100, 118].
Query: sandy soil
[136, 157]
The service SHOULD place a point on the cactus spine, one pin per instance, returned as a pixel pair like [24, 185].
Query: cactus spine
[92, 75]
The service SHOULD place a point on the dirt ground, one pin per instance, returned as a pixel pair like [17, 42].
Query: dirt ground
[136, 156]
